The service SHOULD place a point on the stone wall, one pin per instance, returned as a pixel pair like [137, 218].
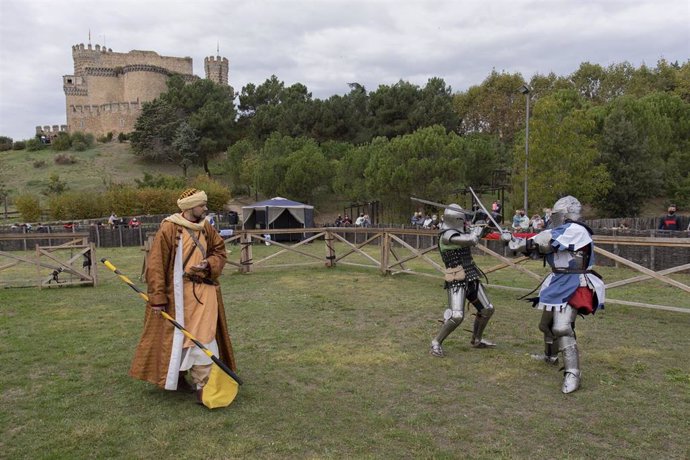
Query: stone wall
[107, 89]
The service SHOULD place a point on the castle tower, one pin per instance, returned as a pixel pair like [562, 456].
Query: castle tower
[216, 69]
[106, 92]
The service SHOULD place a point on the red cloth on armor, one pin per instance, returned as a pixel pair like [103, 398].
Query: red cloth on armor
[582, 300]
[497, 235]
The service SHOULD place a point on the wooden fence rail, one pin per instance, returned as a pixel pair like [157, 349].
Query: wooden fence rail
[389, 262]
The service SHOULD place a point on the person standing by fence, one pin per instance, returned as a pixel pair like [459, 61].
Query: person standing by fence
[185, 260]
[670, 221]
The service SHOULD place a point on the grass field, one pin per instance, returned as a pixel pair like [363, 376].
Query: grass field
[336, 365]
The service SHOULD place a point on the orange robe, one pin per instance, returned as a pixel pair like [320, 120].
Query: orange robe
[152, 358]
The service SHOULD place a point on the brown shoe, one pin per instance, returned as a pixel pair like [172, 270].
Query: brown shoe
[182, 385]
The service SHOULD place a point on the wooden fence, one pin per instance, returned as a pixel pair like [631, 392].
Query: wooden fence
[64, 259]
[389, 261]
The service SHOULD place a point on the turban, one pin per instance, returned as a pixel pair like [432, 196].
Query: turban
[191, 198]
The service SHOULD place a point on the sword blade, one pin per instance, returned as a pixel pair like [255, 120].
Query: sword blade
[432, 203]
[488, 214]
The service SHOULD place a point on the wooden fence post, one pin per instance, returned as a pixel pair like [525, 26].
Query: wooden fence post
[246, 253]
[330, 249]
[385, 252]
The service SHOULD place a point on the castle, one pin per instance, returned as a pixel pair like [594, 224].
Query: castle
[107, 90]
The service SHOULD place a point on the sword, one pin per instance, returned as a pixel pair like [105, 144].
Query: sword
[438, 205]
[488, 214]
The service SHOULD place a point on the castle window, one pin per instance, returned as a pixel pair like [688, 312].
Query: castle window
[81, 123]
[69, 80]
[122, 122]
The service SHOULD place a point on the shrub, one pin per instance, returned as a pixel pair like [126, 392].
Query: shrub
[64, 159]
[86, 138]
[39, 163]
[62, 142]
[19, 145]
[158, 200]
[29, 207]
[79, 146]
[76, 205]
[122, 137]
[33, 145]
[5, 143]
[123, 200]
[55, 186]
[161, 181]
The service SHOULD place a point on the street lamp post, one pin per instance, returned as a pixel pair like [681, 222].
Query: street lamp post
[524, 89]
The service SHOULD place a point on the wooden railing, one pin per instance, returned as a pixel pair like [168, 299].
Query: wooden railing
[387, 260]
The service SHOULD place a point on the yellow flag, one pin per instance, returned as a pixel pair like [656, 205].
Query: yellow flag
[220, 390]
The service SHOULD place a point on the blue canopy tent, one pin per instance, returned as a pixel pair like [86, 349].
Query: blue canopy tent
[278, 212]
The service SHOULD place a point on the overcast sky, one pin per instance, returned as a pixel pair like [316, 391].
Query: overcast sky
[325, 44]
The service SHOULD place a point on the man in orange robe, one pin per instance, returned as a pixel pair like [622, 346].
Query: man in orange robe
[186, 258]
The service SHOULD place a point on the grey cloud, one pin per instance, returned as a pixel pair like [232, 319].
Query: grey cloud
[325, 44]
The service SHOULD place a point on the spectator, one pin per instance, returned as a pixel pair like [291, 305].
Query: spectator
[359, 222]
[367, 221]
[339, 221]
[496, 210]
[434, 222]
[417, 219]
[112, 219]
[347, 221]
[134, 222]
[547, 217]
[427, 221]
[520, 221]
[537, 223]
[670, 221]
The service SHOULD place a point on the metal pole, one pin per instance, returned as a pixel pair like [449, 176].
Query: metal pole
[526, 149]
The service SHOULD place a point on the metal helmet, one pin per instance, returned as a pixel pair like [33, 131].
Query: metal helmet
[567, 207]
[454, 217]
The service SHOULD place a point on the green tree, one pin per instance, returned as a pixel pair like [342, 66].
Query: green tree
[154, 130]
[237, 154]
[185, 143]
[206, 106]
[494, 107]
[349, 180]
[629, 147]
[563, 159]
[307, 173]
[427, 163]
[391, 108]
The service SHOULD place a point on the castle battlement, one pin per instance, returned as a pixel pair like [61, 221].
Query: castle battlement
[107, 88]
[49, 132]
[90, 110]
[215, 58]
[216, 69]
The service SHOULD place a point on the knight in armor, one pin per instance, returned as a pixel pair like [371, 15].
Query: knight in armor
[462, 279]
[570, 289]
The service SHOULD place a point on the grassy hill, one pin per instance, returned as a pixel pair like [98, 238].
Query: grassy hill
[22, 171]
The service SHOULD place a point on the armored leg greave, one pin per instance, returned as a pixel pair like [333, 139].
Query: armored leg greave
[563, 322]
[571, 363]
[452, 318]
[550, 355]
[484, 312]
